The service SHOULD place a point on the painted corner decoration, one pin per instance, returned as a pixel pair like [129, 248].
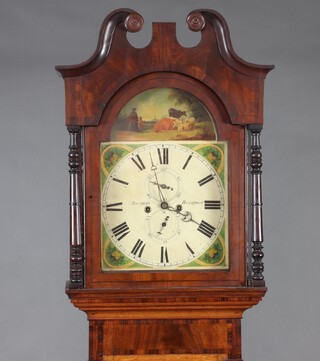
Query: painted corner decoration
[163, 114]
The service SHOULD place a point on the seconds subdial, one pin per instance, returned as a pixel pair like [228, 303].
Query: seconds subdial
[163, 226]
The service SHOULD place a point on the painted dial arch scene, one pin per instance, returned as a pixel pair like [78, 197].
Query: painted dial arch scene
[164, 205]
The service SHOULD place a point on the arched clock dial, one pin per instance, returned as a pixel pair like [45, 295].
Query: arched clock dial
[163, 205]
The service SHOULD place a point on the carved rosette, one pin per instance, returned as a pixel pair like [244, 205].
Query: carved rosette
[257, 266]
[134, 22]
[195, 21]
[76, 209]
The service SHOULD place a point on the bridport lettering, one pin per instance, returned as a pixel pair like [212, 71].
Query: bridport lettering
[192, 203]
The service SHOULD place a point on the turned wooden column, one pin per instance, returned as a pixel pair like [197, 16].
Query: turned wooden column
[256, 277]
[76, 210]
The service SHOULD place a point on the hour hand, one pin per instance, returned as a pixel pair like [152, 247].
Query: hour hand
[186, 216]
[163, 186]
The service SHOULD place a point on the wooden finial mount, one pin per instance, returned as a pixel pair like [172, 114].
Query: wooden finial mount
[195, 21]
[134, 22]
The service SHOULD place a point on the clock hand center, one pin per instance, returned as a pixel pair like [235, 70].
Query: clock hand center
[164, 205]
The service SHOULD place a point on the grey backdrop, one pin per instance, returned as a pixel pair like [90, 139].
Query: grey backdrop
[36, 320]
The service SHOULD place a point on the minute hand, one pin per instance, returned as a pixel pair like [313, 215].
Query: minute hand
[154, 168]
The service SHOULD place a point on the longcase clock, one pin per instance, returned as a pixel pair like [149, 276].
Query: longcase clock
[165, 191]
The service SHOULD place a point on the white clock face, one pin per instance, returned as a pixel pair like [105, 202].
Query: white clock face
[163, 205]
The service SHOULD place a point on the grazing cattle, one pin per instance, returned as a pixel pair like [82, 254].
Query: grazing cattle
[176, 113]
[186, 125]
[164, 125]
